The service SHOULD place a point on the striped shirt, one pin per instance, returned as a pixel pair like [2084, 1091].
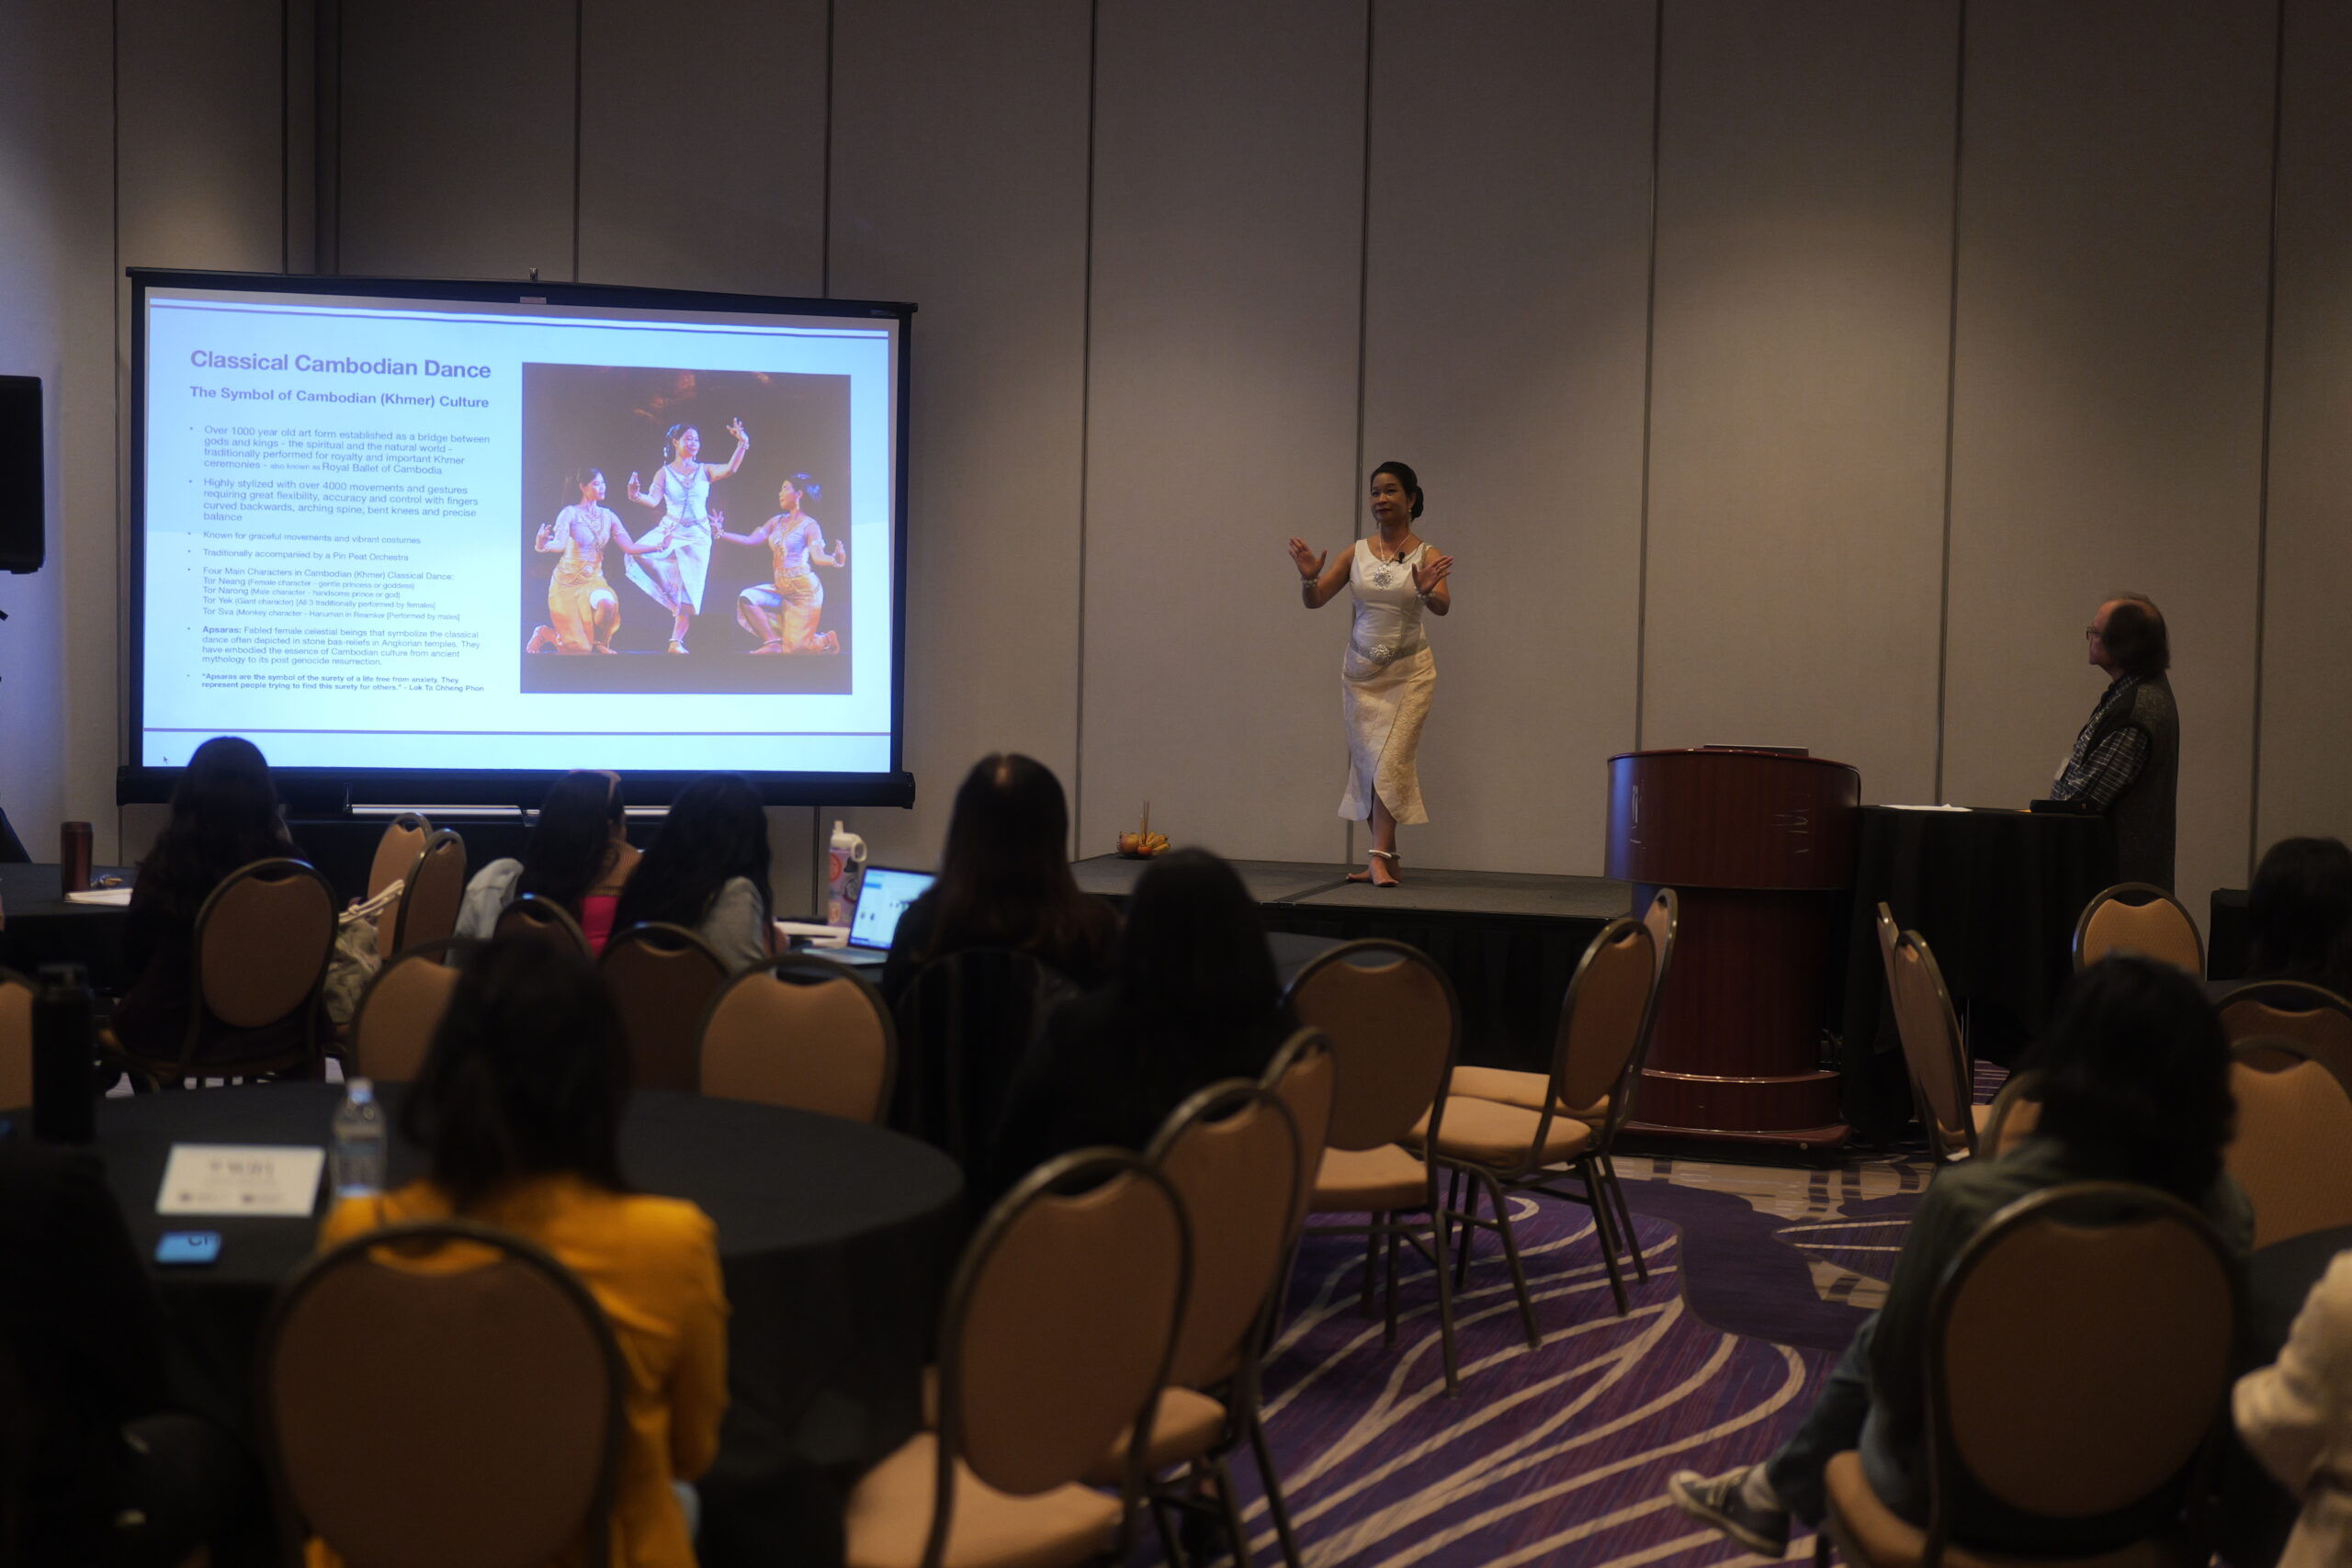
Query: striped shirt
[2099, 772]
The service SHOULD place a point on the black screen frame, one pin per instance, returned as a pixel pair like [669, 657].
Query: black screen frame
[339, 788]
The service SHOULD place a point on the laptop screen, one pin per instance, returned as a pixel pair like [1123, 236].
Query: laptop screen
[883, 897]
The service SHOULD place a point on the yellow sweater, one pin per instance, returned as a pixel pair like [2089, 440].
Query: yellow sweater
[652, 1264]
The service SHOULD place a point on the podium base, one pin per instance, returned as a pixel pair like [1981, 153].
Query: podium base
[1808, 1141]
[1779, 1106]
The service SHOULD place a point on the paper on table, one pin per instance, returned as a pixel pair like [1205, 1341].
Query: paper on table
[1891, 805]
[242, 1179]
[117, 897]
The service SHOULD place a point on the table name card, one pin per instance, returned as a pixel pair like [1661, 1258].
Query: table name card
[241, 1178]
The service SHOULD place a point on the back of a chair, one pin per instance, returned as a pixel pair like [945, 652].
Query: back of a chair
[397, 850]
[400, 1011]
[2015, 1112]
[1059, 1326]
[804, 1032]
[1890, 932]
[2312, 1016]
[2139, 917]
[443, 1394]
[664, 979]
[263, 939]
[1602, 1018]
[965, 1022]
[1232, 1154]
[435, 890]
[534, 915]
[2079, 1358]
[15, 1040]
[1941, 1077]
[1304, 1075]
[1394, 1025]
[2293, 1131]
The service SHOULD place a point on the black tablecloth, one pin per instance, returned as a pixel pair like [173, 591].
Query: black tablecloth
[835, 1239]
[42, 927]
[1996, 894]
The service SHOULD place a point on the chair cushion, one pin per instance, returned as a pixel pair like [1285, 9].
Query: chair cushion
[1982, 1115]
[888, 1516]
[1184, 1427]
[1484, 1132]
[1506, 1086]
[1884, 1538]
[1366, 1181]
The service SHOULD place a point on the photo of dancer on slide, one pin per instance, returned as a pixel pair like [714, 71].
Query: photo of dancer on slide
[665, 628]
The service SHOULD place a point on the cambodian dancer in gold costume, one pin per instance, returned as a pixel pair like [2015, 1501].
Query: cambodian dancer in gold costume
[582, 610]
[784, 617]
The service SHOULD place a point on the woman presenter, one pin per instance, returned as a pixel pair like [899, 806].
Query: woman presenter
[673, 569]
[784, 618]
[582, 610]
[1388, 672]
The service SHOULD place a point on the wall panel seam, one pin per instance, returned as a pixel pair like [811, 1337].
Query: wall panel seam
[579, 92]
[1952, 387]
[2262, 485]
[1364, 325]
[825, 198]
[1085, 422]
[1649, 378]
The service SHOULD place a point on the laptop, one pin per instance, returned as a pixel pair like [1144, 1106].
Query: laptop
[881, 900]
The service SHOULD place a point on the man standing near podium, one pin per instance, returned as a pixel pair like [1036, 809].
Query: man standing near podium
[2125, 761]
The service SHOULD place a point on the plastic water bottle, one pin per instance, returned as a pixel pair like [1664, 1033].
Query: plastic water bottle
[356, 1151]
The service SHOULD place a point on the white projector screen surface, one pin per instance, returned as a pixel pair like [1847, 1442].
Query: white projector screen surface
[372, 531]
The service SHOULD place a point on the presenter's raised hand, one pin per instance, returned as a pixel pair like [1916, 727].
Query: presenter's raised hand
[1433, 570]
[1309, 564]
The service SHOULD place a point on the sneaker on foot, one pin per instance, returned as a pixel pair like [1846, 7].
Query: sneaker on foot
[1717, 1501]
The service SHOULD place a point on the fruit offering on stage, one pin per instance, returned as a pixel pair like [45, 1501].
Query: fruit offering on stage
[1142, 843]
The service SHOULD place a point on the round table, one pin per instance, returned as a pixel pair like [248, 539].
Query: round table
[836, 1240]
[39, 925]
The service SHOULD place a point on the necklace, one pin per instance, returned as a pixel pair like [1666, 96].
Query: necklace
[1385, 569]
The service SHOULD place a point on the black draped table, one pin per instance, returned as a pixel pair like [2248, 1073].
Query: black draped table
[835, 1239]
[37, 926]
[1996, 894]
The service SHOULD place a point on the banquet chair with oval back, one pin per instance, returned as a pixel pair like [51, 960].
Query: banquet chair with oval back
[664, 979]
[965, 1022]
[2078, 1369]
[15, 1038]
[2013, 1116]
[535, 915]
[396, 850]
[393, 1027]
[1304, 1074]
[1058, 1331]
[443, 1394]
[2293, 1147]
[2139, 917]
[1394, 1028]
[1231, 1152]
[1943, 1086]
[435, 890]
[1503, 1149]
[804, 1032]
[2312, 1016]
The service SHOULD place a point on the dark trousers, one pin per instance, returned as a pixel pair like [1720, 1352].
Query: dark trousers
[186, 1483]
[1841, 1419]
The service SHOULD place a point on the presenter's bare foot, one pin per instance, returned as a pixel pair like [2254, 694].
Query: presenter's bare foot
[1381, 872]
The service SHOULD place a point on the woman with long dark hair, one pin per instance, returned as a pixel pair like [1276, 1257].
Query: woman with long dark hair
[1005, 881]
[1195, 999]
[2135, 1088]
[519, 1107]
[225, 814]
[676, 556]
[707, 870]
[578, 856]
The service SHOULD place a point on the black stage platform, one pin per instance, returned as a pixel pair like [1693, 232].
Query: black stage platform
[1509, 940]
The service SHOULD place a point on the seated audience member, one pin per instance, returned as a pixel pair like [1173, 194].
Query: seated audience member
[2135, 1088]
[519, 1105]
[578, 854]
[2296, 1417]
[707, 870]
[1195, 1000]
[224, 815]
[110, 1476]
[1005, 881]
[2299, 914]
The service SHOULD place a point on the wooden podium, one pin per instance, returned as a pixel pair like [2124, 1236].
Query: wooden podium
[1758, 846]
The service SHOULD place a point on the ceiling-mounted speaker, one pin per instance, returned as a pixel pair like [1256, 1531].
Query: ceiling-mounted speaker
[22, 506]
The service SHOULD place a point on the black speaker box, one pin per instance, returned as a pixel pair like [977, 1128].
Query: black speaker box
[21, 494]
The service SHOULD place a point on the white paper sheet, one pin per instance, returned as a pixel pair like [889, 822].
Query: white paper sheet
[117, 897]
[257, 1179]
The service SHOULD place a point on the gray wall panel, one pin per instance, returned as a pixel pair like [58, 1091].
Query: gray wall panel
[1228, 222]
[1797, 435]
[201, 150]
[1505, 291]
[2306, 783]
[457, 138]
[2107, 415]
[959, 183]
[703, 142]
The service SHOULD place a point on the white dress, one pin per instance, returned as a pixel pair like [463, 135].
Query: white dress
[1385, 683]
[682, 536]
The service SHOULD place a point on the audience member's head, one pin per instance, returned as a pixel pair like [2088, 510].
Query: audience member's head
[2127, 638]
[2136, 1077]
[2298, 912]
[1004, 878]
[224, 815]
[1194, 951]
[528, 1075]
[716, 830]
[580, 821]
